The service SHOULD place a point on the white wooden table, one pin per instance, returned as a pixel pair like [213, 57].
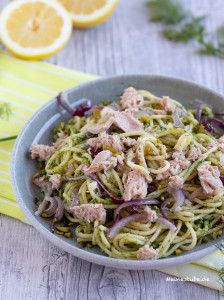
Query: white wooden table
[33, 268]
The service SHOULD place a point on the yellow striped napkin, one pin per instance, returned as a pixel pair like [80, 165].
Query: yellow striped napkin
[27, 85]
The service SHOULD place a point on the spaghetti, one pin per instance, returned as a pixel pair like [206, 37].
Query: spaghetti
[158, 191]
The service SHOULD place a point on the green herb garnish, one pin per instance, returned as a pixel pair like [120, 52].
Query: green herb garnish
[5, 110]
[166, 11]
[182, 26]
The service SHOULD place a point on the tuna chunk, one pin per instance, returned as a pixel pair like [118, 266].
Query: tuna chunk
[95, 129]
[103, 161]
[61, 137]
[176, 182]
[176, 166]
[196, 152]
[90, 212]
[113, 141]
[129, 142]
[209, 178]
[56, 181]
[43, 152]
[122, 120]
[150, 214]
[155, 111]
[146, 252]
[221, 143]
[131, 98]
[166, 104]
[120, 162]
[135, 185]
[127, 122]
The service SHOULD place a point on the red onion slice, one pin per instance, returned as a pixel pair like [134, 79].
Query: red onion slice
[75, 198]
[179, 198]
[95, 177]
[94, 151]
[181, 112]
[45, 186]
[79, 111]
[177, 120]
[124, 221]
[163, 206]
[198, 112]
[207, 121]
[84, 167]
[41, 207]
[60, 210]
[166, 223]
[222, 178]
[134, 202]
[52, 207]
[152, 186]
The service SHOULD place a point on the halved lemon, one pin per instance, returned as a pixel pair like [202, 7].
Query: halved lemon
[88, 13]
[35, 28]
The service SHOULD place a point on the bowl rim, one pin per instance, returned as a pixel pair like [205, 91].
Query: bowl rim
[82, 253]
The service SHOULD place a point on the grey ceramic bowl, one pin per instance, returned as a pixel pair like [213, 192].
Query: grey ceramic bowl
[39, 129]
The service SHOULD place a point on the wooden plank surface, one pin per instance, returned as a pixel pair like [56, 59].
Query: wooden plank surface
[33, 268]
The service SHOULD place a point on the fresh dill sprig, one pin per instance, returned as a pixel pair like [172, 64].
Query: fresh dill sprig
[220, 247]
[221, 277]
[209, 48]
[166, 11]
[182, 25]
[8, 138]
[193, 29]
[5, 110]
[220, 36]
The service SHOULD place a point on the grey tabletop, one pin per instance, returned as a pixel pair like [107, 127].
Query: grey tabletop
[33, 268]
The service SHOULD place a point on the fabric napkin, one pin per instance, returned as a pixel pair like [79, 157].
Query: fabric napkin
[27, 85]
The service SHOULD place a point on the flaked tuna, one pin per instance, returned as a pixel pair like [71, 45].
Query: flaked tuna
[103, 161]
[176, 182]
[146, 252]
[150, 214]
[209, 178]
[106, 139]
[56, 181]
[122, 120]
[196, 152]
[61, 137]
[135, 185]
[127, 122]
[43, 152]
[90, 212]
[155, 111]
[129, 142]
[165, 103]
[131, 98]
[176, 166]
[113, 141]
